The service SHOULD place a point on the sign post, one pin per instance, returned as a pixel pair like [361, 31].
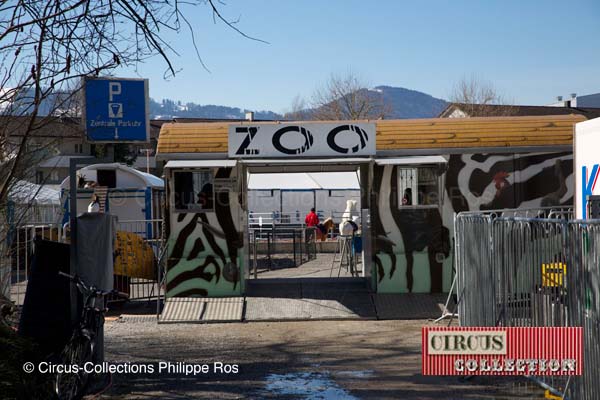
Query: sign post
[115, 110]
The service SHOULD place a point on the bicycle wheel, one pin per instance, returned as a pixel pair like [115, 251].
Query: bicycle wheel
[69, 384]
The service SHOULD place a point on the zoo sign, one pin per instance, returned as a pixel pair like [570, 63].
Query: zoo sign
[302, 140]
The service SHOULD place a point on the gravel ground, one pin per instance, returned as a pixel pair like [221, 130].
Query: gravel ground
[290, 360]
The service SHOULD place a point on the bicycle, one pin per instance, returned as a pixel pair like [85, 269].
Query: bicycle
[72, 383]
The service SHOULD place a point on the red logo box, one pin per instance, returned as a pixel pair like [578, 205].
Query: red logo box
[502, 351]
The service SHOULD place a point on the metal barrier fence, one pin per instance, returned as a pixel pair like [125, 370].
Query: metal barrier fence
[266, 221]
[294, 217]
[281, 246]
[137, 249]
[584, 301]
[522, 271]
[16, 254]
[275, 217]
[17, 223]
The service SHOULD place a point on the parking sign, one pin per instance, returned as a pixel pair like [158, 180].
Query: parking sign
[116, 110]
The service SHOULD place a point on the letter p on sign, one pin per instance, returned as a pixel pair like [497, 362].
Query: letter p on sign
[114, 89]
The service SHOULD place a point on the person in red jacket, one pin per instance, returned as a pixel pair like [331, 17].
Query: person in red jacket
[312, 219]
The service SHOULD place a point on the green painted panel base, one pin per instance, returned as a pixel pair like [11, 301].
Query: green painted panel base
[396, 281]
[189, 278]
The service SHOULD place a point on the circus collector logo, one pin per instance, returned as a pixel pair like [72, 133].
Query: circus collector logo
[502, 350]
[301, 140]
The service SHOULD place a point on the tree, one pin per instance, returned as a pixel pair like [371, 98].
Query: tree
[345, 97]
[299, 110]
[48, 46]
[479, 98]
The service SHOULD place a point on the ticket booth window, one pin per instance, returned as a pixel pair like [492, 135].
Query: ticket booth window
[193, 191]
[418, 187]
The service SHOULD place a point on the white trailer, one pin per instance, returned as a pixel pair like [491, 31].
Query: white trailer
[587, 164]
[129, 194]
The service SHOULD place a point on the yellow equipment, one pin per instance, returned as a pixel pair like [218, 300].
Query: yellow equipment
[134, 257]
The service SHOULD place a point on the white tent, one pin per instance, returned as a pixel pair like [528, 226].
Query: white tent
[304, 180]
[291, 195]
[23, 192]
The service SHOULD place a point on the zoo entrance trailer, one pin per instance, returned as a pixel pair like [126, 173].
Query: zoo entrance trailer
[416, 175]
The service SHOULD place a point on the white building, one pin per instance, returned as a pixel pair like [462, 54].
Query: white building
[575, 101]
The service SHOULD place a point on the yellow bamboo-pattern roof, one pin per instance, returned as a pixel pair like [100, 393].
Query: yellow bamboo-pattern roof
[431, 133]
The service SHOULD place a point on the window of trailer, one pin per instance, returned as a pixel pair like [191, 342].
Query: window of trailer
[193, 191]
[418, 187]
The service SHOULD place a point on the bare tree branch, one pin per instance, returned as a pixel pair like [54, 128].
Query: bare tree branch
[47, 47]
[479, 98]
[347, 97]
[230, 24]
[298, 111]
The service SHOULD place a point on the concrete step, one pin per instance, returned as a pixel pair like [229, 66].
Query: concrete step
[286, 309]
[199, 310]
[304, 299]
[314, 288]
[308, 298]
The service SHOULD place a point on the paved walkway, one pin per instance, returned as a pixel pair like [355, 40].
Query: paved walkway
[304, 299]
[282, 266]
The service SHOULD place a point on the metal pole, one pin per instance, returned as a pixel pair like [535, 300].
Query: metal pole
[255, 254]
[294, 242]
[147, 151]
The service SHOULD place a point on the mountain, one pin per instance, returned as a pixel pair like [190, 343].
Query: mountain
[168, 109]
[402, 103]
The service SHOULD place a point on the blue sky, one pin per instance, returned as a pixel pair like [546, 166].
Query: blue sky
[531, 51]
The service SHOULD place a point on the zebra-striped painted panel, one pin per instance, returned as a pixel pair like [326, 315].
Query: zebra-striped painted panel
[205, 254]
[412, 247]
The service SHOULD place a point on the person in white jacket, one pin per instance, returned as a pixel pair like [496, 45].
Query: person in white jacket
[94, 206]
